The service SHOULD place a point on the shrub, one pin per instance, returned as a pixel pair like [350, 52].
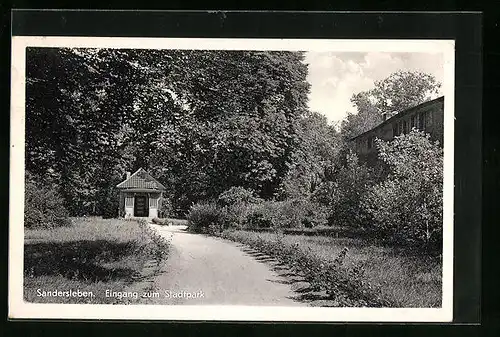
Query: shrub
[235, 206]
[235, 215]
[314, 215]
[237, 195]
[109, 201]
[203, 215]
[260, 215]
[43, 207]
[343, 193]
[158, 221]
[165, 208]
[408, 204]
[296, 213]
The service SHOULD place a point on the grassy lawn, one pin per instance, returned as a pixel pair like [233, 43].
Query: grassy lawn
[405, 279]
[93, 255]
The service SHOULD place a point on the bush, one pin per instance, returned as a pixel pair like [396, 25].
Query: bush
[343, 193]
[43, 207]
[239, 208]
[203, 216]
[408, 204]
[237, 195]
[260, 215]
[165, 208]
[296, 213]
[235, 205]
[109, 202]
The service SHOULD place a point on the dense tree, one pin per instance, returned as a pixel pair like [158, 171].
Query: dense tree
[409, 203]
[319, 147]
[200, 120]
[240, 124]
[76, 103]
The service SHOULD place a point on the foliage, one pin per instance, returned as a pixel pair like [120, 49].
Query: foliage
[408, 205]
[404, 89]
[366, 117]
[76, 103]
[400, 91]
[165, 207]
[235, 204]
[319, 145]
[43, 206]
[203, 216]
[237, 195]
[108, 201]
[295, 213]
[261, 215]
[169, 222]
[345, 286]
[199, 121]
[342, 193]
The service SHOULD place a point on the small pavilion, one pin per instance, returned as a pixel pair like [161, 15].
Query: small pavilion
[140, 195]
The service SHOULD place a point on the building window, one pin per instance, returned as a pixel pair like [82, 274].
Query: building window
[370, 142]
[397, 128]
[405, 127]
[428, 120]
[421, 121]
[153, 203]
[129, 201]
[414, 121]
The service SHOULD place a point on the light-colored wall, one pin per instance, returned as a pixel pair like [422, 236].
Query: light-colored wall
[129, 208]
[153, 206]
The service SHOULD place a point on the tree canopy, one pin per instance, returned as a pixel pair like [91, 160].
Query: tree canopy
[200, 121]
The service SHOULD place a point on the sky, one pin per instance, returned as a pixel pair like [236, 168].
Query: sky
[336, 76]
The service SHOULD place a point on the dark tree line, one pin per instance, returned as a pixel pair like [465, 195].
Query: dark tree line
[200, 121]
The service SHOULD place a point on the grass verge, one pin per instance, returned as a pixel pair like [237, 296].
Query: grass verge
[93, 256]
[352, 271]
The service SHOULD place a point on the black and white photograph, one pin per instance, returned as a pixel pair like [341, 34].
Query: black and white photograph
[228, 179]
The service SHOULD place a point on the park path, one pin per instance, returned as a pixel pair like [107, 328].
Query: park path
[223, 271]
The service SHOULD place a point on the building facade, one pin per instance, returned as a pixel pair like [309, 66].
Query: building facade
[140, 195]
[427, 117]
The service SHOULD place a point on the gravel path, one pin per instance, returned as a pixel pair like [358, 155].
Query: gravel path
[208, 270]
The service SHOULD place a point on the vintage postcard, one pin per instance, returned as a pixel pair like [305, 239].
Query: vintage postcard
[231, 179]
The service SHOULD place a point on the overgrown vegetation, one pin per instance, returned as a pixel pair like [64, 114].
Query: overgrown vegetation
[43, 206]
[239, 208]
[352, 272]
[400, 201]
[397, 203]
[92, 255]
[408, 204]
[341, 193]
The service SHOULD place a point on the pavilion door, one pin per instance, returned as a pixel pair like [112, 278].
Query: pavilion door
[141, 206]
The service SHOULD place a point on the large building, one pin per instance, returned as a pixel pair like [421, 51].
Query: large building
[427, 117]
